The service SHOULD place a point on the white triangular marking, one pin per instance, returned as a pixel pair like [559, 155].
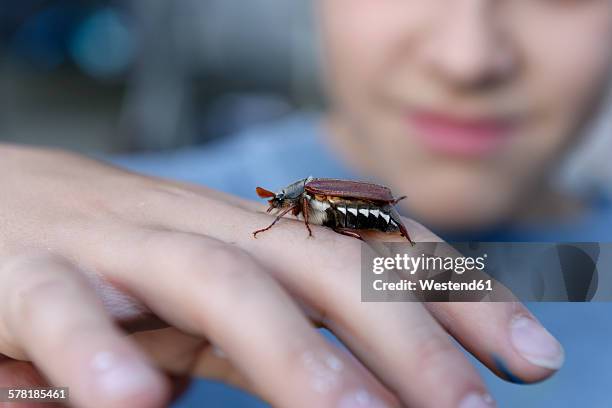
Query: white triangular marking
[364, 211]
[353, 211]
[375, 213]
[385, 216]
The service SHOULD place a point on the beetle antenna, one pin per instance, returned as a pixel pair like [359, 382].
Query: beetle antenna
[263, 193]
[398, 199]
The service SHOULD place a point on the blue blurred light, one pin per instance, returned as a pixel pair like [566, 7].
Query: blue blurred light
[41, 38]
[103, 44]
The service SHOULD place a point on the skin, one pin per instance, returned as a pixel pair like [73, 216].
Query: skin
[89, 253]
[541, 64]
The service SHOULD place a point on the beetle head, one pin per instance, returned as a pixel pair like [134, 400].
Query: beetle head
[276, 200]
[284, 198]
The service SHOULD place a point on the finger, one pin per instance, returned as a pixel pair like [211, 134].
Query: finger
[504, 336]
[207, 288]
[308, 266]
[183, 354]
[401, 342]
[511, 356]
[405, 346]
[55, 320]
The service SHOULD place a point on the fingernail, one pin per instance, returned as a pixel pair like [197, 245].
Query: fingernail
[535, 343]
[360, 399]
[475, 400]
[118, 378]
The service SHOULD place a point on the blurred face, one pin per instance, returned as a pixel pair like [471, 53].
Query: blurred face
[464, 105]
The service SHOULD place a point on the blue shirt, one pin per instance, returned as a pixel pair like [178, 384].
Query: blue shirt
[279, 153]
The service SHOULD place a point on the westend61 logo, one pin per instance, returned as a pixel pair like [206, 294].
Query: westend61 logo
[411, 264]
[435, 273]
[486, 272]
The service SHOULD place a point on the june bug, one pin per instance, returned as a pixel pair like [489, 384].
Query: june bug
[345, 206]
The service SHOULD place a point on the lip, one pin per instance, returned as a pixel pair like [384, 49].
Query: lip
[451, 135]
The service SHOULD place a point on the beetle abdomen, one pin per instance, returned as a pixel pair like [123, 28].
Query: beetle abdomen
[360, 215]
[336, 212]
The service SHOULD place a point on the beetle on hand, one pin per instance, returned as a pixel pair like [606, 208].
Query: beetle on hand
[345, 206]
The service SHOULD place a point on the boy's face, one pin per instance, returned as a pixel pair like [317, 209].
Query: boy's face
[464, 105]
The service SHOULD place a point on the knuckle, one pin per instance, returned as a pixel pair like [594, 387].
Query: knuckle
[230, 267]
[30, 278]
[435, 353]
[221, 277]
[41, 292]
[174, 251]
[25, 262]
[334, 282]
[30, 291]
[325, 367]
[215, 263]
[340, 273]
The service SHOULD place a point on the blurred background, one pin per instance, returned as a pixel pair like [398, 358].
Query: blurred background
[128, 76]
[124, 76]
[107, 77]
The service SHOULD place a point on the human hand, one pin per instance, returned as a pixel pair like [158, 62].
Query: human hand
[86, 247]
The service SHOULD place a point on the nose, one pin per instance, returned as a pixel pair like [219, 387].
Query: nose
[468, 47]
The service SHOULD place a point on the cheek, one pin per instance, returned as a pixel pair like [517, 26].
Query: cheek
[361, 38]
[569, 68]
[354, 48]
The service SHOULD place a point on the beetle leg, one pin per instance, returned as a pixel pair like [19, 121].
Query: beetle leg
[306, 210]
[402, 228]
[348, 232]
[404, 232]
[274, 222]
[296, 210]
